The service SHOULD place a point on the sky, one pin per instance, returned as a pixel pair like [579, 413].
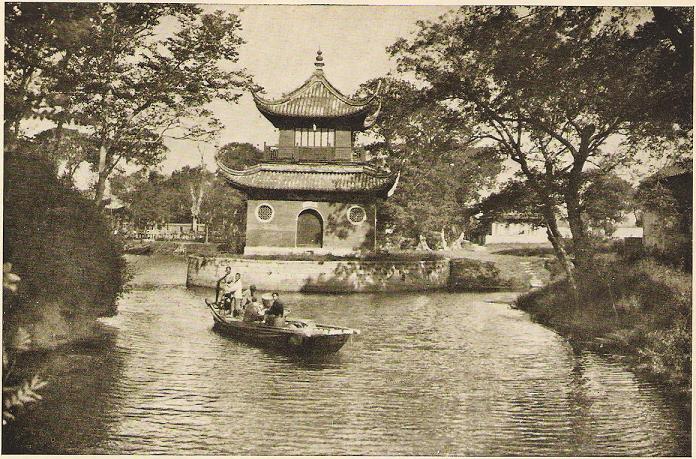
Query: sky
[280, 49]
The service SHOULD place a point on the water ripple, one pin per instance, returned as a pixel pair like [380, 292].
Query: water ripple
[440, 374]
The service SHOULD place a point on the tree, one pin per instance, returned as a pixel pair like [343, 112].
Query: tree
[149, 197]
[224, 210]
[225, 206]
[440, 172]
[605, 200]
[38, 37]
[238, 155]
[131, 86]
[666, 57]
[547, 86]
[195, 184]
[68, 148]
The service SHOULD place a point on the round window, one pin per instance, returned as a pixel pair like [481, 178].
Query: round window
[356, 215]
[264, 212]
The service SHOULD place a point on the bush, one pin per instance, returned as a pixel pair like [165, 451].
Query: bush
[62, 248]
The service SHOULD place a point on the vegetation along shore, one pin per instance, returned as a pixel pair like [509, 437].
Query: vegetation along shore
[639, 310]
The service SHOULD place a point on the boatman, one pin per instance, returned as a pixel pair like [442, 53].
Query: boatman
[223, 284]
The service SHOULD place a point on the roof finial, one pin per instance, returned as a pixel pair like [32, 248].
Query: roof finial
[319, 62]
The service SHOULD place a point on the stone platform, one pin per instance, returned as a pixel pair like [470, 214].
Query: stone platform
[323, 276]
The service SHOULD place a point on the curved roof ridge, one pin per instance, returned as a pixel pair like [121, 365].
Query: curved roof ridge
[305, 167]
[318, 76]
[228, 170]
[352, 178]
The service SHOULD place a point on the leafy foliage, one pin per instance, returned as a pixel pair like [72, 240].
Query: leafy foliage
[153, 198]
[59, 244]
[15, 397]
[665, 49]
[148, 197]
[440, 171]
[639, 309]
[548, 87]
[239, 155]
[129, 86]
[605, 199]
[69, 148]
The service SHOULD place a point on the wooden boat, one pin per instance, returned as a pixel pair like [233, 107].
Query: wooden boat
[138, 249]
[299, 336]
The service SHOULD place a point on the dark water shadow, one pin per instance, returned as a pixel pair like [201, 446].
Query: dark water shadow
[73, 416]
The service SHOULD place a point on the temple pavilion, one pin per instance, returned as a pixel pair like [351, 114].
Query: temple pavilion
[313, 192]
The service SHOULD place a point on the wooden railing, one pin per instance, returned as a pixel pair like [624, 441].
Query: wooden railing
[273, 153]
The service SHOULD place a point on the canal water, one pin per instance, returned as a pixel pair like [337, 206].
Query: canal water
[431, 374]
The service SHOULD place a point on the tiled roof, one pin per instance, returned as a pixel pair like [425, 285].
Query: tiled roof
[316, 98]
[309, 177]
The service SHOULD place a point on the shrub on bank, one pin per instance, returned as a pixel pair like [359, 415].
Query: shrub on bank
[61, 246]
[641, 309]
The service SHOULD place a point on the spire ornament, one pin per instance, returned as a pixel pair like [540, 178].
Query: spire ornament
[319, 63]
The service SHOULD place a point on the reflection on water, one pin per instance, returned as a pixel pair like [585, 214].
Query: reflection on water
[431, 374]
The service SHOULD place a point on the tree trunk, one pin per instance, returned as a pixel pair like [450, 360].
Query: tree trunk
[194, 224]
[457, 244]
[556, 240]
[443, 239]
[101, 188]
[101, 177]
[423, 244]
[578, 229]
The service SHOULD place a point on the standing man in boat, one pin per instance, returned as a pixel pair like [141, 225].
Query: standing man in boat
[223, 284]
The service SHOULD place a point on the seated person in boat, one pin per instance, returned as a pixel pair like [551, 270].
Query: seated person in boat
[274, 314]
[253, 311]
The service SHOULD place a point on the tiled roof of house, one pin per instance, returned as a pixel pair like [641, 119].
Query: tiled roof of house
[346, 178]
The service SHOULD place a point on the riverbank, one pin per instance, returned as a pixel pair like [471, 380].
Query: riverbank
[640, 311]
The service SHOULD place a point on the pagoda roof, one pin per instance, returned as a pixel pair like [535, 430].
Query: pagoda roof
[310, 177]
[315, 99]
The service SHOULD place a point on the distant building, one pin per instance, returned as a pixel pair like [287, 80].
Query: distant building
[313, 192]
[627, 228]
[513, 228]
[661, 230]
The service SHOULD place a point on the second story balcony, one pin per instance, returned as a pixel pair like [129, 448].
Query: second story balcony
[294, 153]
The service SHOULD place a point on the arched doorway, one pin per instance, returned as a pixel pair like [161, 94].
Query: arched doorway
[310, 229]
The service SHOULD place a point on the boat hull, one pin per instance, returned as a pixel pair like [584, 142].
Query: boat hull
[324, 340]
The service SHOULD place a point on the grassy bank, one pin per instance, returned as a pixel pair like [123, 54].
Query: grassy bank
[641, 310]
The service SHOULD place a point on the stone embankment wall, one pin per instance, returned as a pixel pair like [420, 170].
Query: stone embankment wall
[474, 275]
[323, 276]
